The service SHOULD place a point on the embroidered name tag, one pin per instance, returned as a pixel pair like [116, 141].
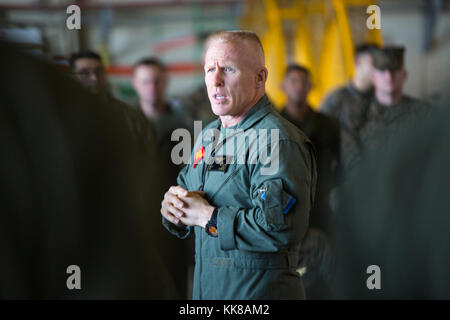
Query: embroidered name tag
[220, 163]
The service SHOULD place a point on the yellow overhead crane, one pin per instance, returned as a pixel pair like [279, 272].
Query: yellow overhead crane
[315, 33]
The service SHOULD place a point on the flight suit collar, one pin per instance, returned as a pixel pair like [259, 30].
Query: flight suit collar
[257, 112]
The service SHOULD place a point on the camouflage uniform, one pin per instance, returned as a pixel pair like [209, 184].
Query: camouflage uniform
[379, 118]
[349, 106]
[394, 214]
[389, 119]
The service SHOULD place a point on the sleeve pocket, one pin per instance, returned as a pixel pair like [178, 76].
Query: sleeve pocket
[273, 200]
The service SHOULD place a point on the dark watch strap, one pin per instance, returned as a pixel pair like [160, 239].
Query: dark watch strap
[211, 226]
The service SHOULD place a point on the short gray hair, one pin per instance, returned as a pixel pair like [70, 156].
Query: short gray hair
[234, 36]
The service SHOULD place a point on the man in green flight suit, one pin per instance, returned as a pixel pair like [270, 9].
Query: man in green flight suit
[249, 206]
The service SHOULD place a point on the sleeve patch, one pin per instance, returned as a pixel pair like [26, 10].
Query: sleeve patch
[288, 203]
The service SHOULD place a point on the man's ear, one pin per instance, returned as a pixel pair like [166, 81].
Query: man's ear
[261, 77]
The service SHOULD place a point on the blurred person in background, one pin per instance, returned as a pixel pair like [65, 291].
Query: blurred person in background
[88, 68]
[324, 134]
[394, 214]
[150, 80]
[75, 190]
[389, 107]
[349, 103]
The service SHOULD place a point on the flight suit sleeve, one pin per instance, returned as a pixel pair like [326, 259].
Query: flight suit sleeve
[184, 231]
[281, 202]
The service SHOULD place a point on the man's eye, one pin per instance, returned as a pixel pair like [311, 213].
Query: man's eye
[210, 70]
[227, 69]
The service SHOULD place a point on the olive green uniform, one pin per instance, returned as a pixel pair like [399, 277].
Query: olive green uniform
[259, 228]
[177, 254]
[349, 106]
[377, 117]
[394, 214]
[73, 179]
[385, 118]
[170, 120]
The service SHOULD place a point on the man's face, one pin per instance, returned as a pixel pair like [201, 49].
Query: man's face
[389, 81]
[150, 83]
[296, 86]
[364, 66]
[230, 78]
[91, 73]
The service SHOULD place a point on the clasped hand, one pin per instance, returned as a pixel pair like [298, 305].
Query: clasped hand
[183, 207]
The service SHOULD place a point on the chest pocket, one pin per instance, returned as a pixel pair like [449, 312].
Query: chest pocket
[221, 184]
[275, 202]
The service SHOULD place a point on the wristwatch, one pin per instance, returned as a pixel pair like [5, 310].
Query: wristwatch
[211, 226]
